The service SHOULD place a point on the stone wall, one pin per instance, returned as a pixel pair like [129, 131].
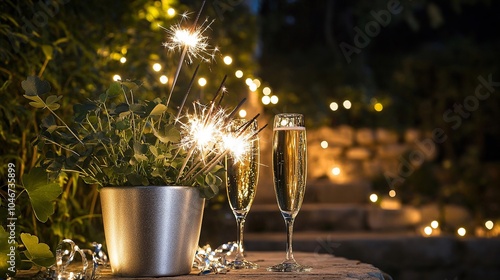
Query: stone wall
[359, 154]
[365, 153]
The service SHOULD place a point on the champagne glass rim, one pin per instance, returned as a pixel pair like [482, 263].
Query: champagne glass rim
[290, 115]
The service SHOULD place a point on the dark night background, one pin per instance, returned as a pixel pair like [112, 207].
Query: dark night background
[423, 67]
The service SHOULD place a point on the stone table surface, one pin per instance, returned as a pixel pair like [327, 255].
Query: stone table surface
[324, 267]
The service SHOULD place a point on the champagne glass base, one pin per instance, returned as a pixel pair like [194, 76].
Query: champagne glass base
[289, 267]
[242, 264]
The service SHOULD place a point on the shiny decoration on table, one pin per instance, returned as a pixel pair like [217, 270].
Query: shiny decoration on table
[209, 261]
[65, 267]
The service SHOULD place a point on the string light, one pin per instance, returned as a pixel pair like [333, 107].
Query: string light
[266, 91]
[434, 224]
[336, 172]
[392, 193]
[123, 59]
[334, 106]
[252, 87]
[266, 99]
[238, 74]
[324, 144]
[428, 230]
[242, 113]
[171, 12]
[489, 225]
[347, 104]
[256, 82]
[157, 67]
[228, 60]
[461, 231]
[163, 79]
[378, 107]
[373, 197]
[248, 81]
[274, 99]
[202, 82]
[117, 78]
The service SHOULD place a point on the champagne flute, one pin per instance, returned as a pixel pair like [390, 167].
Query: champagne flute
[242, 172]
[289, 172]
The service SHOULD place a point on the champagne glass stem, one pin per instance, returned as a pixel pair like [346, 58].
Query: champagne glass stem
[240, 221]
[289, 237]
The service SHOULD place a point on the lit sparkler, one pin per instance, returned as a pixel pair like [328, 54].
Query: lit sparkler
[191, 41]
[204, 134]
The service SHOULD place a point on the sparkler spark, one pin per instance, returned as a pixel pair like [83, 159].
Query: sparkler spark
[203, 129]
[191, 40]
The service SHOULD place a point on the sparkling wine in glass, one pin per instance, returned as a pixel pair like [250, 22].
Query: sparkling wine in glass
[289, 173]
[242, 173]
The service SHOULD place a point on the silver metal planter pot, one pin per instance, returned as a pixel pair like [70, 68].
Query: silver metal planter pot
[151, 230]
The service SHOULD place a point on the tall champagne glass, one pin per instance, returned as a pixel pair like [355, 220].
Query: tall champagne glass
[242, 172]
[289, 173]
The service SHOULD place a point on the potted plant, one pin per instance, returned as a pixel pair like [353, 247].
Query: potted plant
[155, 167]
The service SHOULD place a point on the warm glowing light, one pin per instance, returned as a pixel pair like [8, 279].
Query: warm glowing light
[266, 99]
[117, 78]
[238, 74]
[248, 81]
[256, 82]
[378, 107]
[157, 67]
[191, 41]
[274, 99]
[202, 82]
[228, 60]
[266, 91]
[373, 198]
[252, 87]
[461, 231]
[242, 113]
[324, 144]
[392, 193]
[171, 12]
[489, 225]
[163, 79]
[334, 106]
[347, 104]
[434, 224]
[428, 230]
[123, 59]
[336, 172]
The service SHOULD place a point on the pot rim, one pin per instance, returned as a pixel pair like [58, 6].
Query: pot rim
[136, 187]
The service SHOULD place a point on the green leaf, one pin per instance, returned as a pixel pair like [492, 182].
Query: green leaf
[37, 101]
[37, 104]
[48, 50]
[132, 84]
[38, 253]
[114, 90]
[137, 180]
[158, 110]
[52, 99]
[35, 86]
[41, 193]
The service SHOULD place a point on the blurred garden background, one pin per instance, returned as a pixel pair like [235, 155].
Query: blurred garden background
[401, 100]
